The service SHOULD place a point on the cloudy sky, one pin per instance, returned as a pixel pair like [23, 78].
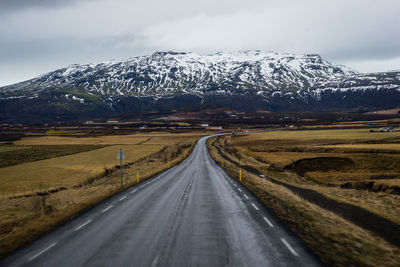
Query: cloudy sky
[37, 36]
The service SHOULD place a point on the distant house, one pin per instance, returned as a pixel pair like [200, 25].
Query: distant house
[112, 121]
[116, 128]
[204, 125]
[143, 127]
[386, 129]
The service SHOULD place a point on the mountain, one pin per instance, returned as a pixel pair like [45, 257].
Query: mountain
[244, 80]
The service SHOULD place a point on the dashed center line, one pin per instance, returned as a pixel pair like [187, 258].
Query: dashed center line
[254, 206]
[109, 207]
[83, 225]
[289, 247]
[41, 252]
[269, 223]
[245, 196]
[240, 189]
[133, 191]
[122, 198]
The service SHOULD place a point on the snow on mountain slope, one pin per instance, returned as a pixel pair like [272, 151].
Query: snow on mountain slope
[243, 80]
[166, 73]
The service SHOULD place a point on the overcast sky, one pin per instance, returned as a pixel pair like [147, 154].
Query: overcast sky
[37, 36]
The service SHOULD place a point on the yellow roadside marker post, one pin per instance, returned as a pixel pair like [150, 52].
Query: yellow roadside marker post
[240, 175]
[168, 165]
[137, 177]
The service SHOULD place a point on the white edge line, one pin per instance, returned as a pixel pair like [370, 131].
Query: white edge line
[41, 252]
[122, 198]
[109, 207]
[269, 223]
[289, 247]
[155, 261]
[82, 225]
[255, 206]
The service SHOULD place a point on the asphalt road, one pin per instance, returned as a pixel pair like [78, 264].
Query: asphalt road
[193, 214]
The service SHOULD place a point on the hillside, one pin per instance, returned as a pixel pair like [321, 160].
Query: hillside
[244, 80]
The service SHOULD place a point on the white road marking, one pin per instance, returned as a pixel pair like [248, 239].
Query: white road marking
[41, 252]
[155, 261]
[109, 207]
[240, 189]
[82, 225]
[254, 206]
[122, 198]
[234, 185]
[261, 175]
[133, 191]
[289, 247]
[269, 223]
[245, 196]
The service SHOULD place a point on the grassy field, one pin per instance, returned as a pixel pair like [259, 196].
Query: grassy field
[66, 171]
[353, 166]
[326, 156]
[378, 147]
[332, 238]
[13, 155]
[37, 196]
[338, 135]
[8, 148]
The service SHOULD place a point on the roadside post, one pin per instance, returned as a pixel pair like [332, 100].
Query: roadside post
[120, 156]
[240, 175]
[137, 177]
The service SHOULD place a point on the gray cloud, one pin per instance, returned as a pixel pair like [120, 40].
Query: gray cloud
[40, 35]
[7, 6]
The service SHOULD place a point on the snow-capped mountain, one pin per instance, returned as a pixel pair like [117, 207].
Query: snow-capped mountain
[163, 80]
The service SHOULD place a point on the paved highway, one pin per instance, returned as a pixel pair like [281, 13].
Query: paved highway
[191, 215]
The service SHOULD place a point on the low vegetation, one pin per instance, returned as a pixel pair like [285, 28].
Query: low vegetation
[37, 196]
[349, 166]
[13, 155]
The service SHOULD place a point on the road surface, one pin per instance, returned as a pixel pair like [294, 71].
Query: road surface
[193, 214]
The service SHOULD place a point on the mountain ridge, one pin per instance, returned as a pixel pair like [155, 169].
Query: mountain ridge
[248, 79]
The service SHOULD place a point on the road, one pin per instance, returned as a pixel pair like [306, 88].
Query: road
[193, 214]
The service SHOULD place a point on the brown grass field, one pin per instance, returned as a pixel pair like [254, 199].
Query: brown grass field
[39, 195]
[336, 163]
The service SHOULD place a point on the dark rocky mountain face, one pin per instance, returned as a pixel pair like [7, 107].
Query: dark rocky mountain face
[245, 81]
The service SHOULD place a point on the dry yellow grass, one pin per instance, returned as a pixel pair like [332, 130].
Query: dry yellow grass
[68, 170]
[73, 169]
[100, 140]
[367, 146]
[343, 134]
